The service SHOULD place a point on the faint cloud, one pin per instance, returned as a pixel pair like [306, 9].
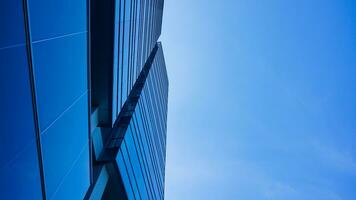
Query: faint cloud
[280, 191]
[341, 160]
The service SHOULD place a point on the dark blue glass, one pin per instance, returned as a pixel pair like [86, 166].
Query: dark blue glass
[20, 179]
[11, 23]
[125, 65]
[115, 93]
[75, 184]
[16, 102]
[63, 144]
[56, 18]
[60, 67]
[120, 57]
[19, 170]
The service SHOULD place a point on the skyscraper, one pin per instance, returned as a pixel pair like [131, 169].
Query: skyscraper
[84, 99]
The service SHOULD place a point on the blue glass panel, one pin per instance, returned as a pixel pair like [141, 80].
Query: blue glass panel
[143, 155]
[63, 142]
[143, 37]
[16, 102]
[125, 66]
[150, 161]
[76, 183]
[114, 102]
[60, 67]
[115, 64]
[127, 10]
[129, 168]
[123, 172]
[11, 23]
[132, 151]
[55, 18]
[20, 178]
[137, 35]
[19, 171]
[122, 10]
[120, 82]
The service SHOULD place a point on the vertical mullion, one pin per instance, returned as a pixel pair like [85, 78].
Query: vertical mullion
[89, 91]
[33, 93]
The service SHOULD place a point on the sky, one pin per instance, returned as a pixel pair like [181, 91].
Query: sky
[262, 99]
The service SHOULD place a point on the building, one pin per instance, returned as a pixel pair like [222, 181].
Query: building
[84, 99]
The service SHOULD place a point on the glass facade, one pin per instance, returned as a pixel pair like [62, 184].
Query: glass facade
[141, 156]
[84, 99]
[19, 162]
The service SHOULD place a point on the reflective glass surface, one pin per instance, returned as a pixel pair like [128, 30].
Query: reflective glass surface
[19, 168]
[142, 160]
[50, 19]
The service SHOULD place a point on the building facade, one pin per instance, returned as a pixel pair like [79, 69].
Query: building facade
[84, 99]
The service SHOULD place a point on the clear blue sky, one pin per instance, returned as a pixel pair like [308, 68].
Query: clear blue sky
[262, 101]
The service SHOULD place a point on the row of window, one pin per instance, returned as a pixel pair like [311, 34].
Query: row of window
[141, 158]
[137, 28]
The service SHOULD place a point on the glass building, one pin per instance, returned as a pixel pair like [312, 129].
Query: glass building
[84, 99]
